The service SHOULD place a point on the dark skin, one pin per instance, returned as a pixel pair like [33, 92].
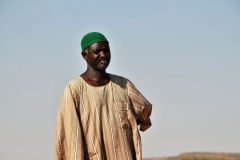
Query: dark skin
[98, 58]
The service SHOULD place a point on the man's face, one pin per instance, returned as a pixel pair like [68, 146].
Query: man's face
[98, 56]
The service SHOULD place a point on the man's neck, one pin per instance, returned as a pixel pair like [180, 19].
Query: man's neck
[95, 78]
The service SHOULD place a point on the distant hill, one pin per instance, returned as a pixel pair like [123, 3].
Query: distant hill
[201, 156]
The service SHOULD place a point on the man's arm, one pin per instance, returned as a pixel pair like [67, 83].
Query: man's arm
[141, 107]
[68, 138]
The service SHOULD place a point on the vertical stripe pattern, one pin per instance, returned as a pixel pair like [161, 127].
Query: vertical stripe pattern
[99, 123]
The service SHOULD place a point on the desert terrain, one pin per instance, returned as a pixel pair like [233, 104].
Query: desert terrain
[201, 156]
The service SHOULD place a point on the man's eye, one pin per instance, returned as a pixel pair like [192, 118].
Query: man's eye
[96, 51]
[106, 50]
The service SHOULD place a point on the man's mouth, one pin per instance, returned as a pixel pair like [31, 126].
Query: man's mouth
[104, 61]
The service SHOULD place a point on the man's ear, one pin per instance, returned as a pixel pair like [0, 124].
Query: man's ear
[84, 55]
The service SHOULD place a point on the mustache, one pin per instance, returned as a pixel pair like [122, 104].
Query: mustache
[101, 59]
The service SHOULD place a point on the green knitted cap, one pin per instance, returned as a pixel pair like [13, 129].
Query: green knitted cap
[91, 38]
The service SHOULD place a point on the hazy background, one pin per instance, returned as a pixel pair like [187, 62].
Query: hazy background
[184, 56]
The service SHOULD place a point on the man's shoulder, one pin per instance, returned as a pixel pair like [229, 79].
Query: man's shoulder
[119, 80]
[117, 77]
[76, 83]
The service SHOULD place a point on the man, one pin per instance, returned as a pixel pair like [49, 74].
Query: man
[100, 112]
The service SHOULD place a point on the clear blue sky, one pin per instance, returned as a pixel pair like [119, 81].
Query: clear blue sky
[184, 56]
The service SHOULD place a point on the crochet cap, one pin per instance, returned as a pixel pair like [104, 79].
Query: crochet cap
[91, 38]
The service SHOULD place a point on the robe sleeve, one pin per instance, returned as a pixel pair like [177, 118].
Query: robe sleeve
[68, 138]
[141, 107]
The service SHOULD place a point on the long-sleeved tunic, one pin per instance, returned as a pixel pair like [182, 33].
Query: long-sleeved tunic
[101, 123]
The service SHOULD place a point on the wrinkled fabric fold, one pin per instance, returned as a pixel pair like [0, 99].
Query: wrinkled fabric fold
[101, 122]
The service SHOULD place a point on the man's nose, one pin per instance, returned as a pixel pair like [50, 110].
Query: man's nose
[103, 53]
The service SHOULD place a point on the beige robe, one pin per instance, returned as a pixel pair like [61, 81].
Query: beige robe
[101, 123]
